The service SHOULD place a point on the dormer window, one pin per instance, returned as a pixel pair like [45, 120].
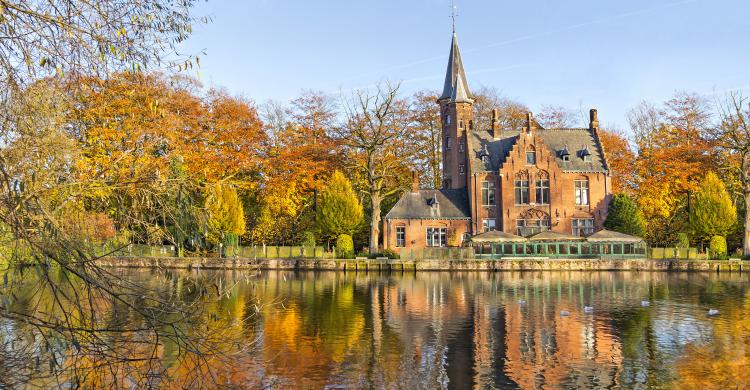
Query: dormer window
[585, 154]
[564, 153]
[483, 154]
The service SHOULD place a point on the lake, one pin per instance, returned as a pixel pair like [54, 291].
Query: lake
[480, 330]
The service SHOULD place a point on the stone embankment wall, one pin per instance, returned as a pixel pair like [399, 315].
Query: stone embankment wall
[516, 264]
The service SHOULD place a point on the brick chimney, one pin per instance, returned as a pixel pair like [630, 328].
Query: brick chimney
[529, 122]
[593, 120]
[495, 123]
[414, 182]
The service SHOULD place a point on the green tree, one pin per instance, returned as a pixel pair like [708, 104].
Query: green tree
[712, 212]
[225, 214]
[718, 247]
[344, 246]
[338, 211]
[624, 216]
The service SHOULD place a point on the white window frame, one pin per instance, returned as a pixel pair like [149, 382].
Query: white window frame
[581, 192]
[400, 241]
[582, 227]
[436, 235]
[488, 193]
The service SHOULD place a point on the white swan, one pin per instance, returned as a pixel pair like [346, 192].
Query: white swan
[564, 313]
[713, 312]
[645, 303]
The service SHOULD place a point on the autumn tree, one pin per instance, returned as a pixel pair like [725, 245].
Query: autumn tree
[374, 136]
[300, 154]
[512, 114]
[620, 160]
[712, 212]
[624, 216]
[225, 216]
[338, 210]
[426, 130]
[556, 117]
[732, 136]
[673, 154]
[72, 296]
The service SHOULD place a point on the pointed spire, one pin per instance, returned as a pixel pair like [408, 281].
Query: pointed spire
[455, 77]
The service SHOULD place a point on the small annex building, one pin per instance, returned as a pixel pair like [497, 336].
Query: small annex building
[520, 181]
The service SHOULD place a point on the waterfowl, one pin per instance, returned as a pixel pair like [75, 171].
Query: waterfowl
[713, 312]
[564, 313]
[645, 303]
[588, 309]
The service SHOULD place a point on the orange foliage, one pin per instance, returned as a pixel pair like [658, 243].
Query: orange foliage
[621, 160]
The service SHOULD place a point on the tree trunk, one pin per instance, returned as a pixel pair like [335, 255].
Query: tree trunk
[746, 235]
[375, 200]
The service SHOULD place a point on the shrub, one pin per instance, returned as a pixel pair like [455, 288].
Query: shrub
[718, 247]
[682, 241]
[308, 240]
[389, 253]
[344, 246]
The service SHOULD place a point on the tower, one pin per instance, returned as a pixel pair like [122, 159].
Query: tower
[456, 105]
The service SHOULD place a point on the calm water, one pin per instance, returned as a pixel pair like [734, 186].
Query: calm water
[486, 330]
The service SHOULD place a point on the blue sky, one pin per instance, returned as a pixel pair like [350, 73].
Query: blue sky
[575, 53]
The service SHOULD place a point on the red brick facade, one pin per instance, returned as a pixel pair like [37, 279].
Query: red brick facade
[520, 182]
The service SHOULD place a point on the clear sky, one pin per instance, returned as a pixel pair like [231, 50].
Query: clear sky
[608, 54]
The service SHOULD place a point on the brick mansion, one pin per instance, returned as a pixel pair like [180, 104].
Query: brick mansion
[520, 182]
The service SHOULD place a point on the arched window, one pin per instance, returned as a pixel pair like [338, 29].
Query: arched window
[542, 187]
[531, 222]
[581, 186]
[530, 156]
[521, 187]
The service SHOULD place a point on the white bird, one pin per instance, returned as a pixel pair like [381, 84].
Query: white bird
[564, 313]
[588, 309]
[645, 303]
[713, 312]
[521, 302]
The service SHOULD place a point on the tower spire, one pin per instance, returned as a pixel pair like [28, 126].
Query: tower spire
[452, 73]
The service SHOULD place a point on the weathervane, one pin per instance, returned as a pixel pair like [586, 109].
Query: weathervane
[454, 13]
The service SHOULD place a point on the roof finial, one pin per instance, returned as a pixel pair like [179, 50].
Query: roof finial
[454, 13]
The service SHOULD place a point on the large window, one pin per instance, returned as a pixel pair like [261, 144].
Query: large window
[530, 226]
[488, 224]
[583, 227]
[542, 191]
[461, 169]
[437, 236]
[461, 146]
[447, 143]
[522, 191]
[488, 193]
[400, 236]
[582, 192]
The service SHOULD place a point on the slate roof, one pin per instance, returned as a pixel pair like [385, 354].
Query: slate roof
[456, 85]
[451, 204]
[556, 140]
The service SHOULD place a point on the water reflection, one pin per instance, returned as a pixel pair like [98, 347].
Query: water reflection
[483, 330]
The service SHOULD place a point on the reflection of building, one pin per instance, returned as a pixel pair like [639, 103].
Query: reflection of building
[518, 178]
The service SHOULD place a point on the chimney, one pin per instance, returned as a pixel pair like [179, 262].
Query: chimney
[414, 182]
[495, 123]
[529, 122]
[593, 120]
